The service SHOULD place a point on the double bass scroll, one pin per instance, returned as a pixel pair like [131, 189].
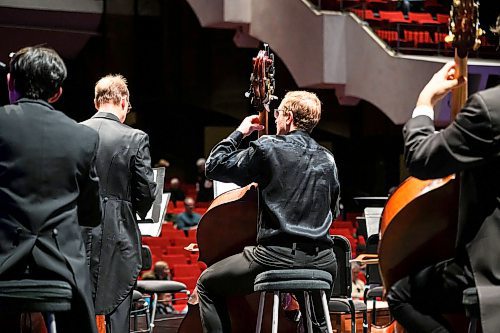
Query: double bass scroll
[230, 222]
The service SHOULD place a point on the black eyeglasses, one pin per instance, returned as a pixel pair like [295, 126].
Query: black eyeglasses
[129, 105]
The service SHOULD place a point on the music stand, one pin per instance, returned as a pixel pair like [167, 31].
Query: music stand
[150, 225]
[369, 223]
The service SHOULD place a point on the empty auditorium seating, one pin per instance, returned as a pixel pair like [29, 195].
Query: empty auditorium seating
[421, 39]
[189, 281]
[389, 36]
[421, 18]
[186, 270]
[443, 18]
[175, 259]
[393, 16]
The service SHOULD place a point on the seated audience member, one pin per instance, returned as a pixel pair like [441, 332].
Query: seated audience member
[161, 271]
[176, 193]
[358, 285]
[165, 164]
[204, 186]
[187, 219]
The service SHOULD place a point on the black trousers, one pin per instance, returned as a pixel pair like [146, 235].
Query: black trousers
[418, 301]
[235, 275]
[118, 321]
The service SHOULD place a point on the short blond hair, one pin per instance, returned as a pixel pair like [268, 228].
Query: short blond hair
[305, 107]
[111, 89]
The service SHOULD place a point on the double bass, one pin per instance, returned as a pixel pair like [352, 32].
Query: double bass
[419, 222]
[230, 222]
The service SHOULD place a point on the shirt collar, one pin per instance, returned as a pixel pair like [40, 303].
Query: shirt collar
[106, 115]
[34, 101]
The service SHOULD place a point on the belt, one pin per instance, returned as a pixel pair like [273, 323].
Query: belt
[300, 246]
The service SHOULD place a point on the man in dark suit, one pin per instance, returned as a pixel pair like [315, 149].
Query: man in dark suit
[48, 185]
[470, 145]
[127, 187]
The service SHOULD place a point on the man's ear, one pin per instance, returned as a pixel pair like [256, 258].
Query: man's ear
[56, 96]
[289, 118]
[95, 104]
[122, 104]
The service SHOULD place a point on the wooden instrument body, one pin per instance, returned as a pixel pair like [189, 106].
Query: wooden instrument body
[230, 223]
[417, 227]
[226, 228]
[419, 222]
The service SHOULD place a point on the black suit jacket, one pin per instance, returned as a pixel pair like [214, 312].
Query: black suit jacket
[48, 186]
[471, 146]
[127, 187]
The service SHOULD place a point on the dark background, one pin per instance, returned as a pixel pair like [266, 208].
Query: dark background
[183, 77]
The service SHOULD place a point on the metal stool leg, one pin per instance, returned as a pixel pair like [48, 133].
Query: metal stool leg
[276, 303]
[261, 311]
[472, 325]
[51, 323]
[153, 313]
[308, 312]
[326, 311]
[353, 316]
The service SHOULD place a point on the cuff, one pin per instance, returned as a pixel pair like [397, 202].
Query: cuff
[237, 137]
[423, 110]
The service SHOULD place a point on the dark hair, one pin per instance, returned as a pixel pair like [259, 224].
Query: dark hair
[38, 72]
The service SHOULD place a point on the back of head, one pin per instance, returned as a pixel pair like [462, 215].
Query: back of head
[37, 72]
[174, 183]
[305, 107]
[189, 205]
[200, 164]
[111, 89]
[161, 269]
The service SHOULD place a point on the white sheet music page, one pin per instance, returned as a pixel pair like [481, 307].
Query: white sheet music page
[151, 224]
[220, 187]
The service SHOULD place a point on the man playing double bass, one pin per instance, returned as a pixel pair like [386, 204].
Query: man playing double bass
[297, 183]
[470, 145]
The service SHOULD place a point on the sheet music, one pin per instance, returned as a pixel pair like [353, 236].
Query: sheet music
[151, 224]
[220, 187]
[372, 217]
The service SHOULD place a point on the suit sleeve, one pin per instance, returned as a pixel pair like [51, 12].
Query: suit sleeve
[89, 202]
[143, 185]
[465, 143]
[227, 163]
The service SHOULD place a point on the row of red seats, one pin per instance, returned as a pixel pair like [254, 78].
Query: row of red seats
[418, 39]
[394, 17]
[429, 5]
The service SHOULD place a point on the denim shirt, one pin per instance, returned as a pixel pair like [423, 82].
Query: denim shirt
[297, 180]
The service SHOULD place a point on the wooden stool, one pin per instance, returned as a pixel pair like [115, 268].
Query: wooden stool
[292, 280]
